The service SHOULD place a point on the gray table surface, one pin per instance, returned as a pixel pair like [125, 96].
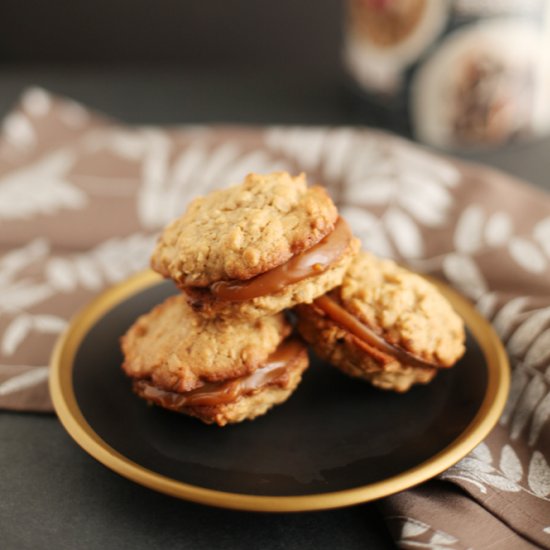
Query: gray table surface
[56, 496]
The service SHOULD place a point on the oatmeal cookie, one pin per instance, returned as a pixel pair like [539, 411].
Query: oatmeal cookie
[256, 248]
[220, 371]
[384, 324]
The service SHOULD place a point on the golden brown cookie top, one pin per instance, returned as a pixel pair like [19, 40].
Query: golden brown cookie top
[244, 230]
[404, 308]
[177, 350]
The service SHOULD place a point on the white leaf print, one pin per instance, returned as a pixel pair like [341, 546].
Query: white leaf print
[506, 319]
[539, 352]
[498, 482]
[427, 190]
[108, 262]
[421, 195]
[18, 131]
[186, 169]
[369, 229]
[375, 171]
[19, 258]
[60, 274]
[311, 142]
[541, 232]
[540, 418]
[340, 143]
[462, 272]
[473, 464]
[87, 273]
[414, 158]
[483, 453]
[539, 475]
[519, 381]
[527, 255]
[212, 173]
[412, 528]
[40, 188]
[468, 233]
[125, 144]
[23, 324]
[422, 210]
[184, 182]
[305, 145]
[452, 473]
[253, 161]
[487, 304]
[498, 229]
[526, 405]
[510, 464]
[154, 176]
[365, 163]
[37, 102]
[20, 382]
[312, 152]
[404, 233]
[443, 538]
[115, 260]
[73, 114]
[375, 191]
[524, 335]
[22, 295]
[167, 187]
[547, 529]
[15, 333]
[50, 324]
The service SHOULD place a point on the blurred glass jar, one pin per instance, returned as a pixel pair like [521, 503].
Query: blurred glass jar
[456, 74]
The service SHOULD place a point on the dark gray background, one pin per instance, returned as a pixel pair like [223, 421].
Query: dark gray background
[175, 62]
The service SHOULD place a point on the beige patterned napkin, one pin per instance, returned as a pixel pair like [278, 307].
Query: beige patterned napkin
[82, 199]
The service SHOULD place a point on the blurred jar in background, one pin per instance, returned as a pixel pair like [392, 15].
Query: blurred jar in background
[456, 74]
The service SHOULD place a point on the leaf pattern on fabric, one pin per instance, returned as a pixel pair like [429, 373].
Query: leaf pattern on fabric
[22, 325]
[541, 233]
[18, 131]
[36, 102]
[107, 263]
[539, 475]
[412, 187]
[418, 534]
[478, 470]
[499, 229]
[468, 236]
[41, 188]
[510, 464]
[465, 275]
[167, 186]
[29, 378]
[527, 255]
[53, 275]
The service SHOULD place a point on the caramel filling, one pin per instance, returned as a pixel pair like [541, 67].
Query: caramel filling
[228, 391]
[350, 323]
[313, 261]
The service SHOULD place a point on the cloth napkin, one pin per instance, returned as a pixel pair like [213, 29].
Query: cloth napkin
[82, 199]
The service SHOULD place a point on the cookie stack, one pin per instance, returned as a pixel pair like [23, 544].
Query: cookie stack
[223, 350]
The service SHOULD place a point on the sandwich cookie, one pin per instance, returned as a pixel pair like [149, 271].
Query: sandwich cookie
[221, 372]
[256, 248]
[385, 325]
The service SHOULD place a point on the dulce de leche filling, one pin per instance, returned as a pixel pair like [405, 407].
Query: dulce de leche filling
[228, 391]
[350, 323]
[313, 261]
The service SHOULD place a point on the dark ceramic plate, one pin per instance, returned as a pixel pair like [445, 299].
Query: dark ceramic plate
[335, 442]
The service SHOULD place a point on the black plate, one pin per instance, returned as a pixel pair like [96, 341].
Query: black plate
[333, 435]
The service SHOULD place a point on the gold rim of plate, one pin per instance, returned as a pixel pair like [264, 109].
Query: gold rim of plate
[71, 417]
